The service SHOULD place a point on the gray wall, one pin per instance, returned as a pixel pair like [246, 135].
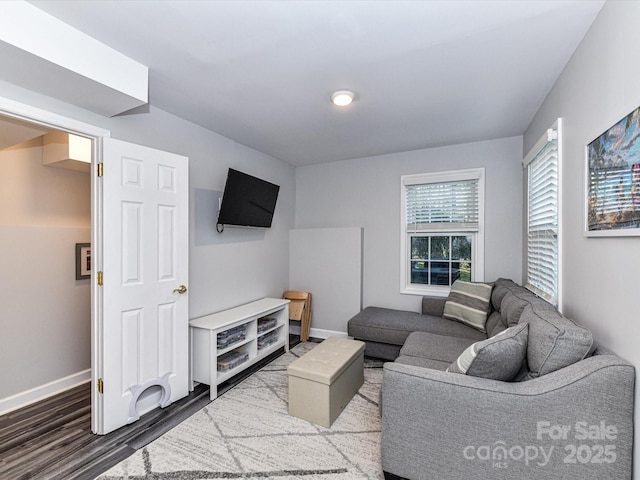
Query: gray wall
[365, 192]
[599, 86]
[328, 263]
[235, 267]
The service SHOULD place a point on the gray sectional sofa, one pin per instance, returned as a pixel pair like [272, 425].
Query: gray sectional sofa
[538, 399]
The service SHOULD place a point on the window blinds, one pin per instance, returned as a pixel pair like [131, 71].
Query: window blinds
[542, 240]
[444, 206]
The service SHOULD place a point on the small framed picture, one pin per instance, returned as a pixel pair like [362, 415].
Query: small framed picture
[83, 261]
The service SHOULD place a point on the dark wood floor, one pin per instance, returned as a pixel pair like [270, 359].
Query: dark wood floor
[52, 439]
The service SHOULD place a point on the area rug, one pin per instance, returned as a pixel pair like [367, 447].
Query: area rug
[248, 433]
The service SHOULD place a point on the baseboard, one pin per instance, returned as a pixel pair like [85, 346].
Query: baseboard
[36, 394]
[318, 333]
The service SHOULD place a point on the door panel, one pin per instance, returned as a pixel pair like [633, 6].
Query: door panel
[145, 259]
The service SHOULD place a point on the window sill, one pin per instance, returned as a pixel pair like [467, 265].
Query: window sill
[430, 291]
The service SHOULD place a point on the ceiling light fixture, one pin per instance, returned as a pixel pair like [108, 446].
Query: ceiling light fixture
[342, 98]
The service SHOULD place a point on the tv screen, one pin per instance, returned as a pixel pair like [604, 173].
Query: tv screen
[247, 201]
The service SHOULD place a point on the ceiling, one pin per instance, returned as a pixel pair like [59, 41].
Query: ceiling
[426, 73]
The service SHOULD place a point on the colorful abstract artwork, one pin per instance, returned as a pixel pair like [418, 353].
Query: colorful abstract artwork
[613, 180]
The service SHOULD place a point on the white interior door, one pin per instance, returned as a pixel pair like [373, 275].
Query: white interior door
[143, 352]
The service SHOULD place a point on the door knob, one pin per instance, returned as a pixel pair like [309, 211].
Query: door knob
[181, 289]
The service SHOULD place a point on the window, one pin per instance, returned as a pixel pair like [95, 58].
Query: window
[542, 170]
[442, 241]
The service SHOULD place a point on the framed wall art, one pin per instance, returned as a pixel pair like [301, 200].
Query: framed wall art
[83, 261]
[612, 180]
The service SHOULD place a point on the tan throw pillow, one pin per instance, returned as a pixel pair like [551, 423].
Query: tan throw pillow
[469, 303]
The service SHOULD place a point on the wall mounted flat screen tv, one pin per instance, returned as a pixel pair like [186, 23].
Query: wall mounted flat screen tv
[247, 201]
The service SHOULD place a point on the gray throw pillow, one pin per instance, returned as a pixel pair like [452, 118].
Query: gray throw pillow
[469, 303]
[556, 341]
[498, 358]
[501, 287]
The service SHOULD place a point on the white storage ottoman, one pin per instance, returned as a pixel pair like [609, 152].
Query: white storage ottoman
[325, 379]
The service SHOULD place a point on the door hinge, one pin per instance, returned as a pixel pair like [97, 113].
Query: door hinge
[100, 167]
[99, 276]
[100, 386]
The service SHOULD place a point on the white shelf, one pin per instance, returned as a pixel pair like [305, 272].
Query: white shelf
[203, 338]
[233, 346]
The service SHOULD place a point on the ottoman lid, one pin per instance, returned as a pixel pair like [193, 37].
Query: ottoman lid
[327, 361]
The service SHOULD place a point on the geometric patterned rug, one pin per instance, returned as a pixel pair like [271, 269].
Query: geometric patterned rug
[247, 433]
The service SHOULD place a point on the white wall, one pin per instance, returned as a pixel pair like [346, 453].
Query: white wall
[225, 270]
[46, 312]
[598, 87]
[365, 192]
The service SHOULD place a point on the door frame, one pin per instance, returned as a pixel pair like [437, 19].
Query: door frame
[20, 111]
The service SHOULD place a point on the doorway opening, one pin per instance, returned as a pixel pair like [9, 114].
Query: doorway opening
[50, 199]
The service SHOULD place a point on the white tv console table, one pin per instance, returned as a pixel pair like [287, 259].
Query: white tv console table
[244, 334]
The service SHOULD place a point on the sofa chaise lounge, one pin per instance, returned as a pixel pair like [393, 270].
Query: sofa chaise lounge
[537, 398]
